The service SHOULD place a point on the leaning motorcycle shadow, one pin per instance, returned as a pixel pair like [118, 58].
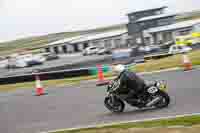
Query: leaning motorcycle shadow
[134, 111]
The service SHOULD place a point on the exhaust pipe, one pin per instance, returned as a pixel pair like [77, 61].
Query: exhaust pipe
[154, 101]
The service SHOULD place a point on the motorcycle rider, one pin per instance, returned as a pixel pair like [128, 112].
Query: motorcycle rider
[129, 83]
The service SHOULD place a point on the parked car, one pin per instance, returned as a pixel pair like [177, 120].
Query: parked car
[149, 49]
[176, 49]
[3, 63]
[17, 62]
[121, 53]
[39, 58]
[103, 50]
[34, 62]
[49, 56]
[32, 59]
[122, 56]
[90, 50]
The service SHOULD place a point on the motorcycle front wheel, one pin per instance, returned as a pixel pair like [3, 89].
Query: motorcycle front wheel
[116, 107]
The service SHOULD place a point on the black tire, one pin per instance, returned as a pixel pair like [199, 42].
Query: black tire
[164, 101]
[116, 109]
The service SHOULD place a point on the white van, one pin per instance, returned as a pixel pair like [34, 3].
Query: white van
[176, 49]
[25, 60]
[90, 50]
[39, 58]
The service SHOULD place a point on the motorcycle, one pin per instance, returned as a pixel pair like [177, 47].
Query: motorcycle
[154, 95]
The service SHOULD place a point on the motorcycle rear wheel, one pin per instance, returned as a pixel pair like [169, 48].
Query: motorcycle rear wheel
[165, 100]
[116, 107]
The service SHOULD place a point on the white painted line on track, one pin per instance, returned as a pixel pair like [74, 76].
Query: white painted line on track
[160, 71]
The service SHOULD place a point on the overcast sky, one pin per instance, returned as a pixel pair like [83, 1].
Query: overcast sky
[21, 18]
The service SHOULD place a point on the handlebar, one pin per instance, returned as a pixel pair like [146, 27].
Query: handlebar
[113, 85]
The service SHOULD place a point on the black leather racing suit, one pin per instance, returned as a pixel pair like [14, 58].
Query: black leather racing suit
[130, 84]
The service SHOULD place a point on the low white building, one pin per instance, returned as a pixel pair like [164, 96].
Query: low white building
[111, 39]
[166, 33]
[61, 46]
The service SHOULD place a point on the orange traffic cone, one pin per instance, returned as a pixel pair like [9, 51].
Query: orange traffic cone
[101, 79]
[187, 63]
[39, 88]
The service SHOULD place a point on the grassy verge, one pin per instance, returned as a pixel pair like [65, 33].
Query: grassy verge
[169, 62]
[121, 128]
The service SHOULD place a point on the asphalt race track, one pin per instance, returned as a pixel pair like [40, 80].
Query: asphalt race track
[82, 105]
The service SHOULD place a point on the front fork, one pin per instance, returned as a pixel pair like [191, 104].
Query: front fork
[112, 98]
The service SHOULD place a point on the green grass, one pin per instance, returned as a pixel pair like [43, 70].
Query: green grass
[32, 42]
[184, 121]
[169, 62]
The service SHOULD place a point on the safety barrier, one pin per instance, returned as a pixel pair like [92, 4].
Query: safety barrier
[67, 73]
[45, 76]
[56, 74]
[157, 56]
